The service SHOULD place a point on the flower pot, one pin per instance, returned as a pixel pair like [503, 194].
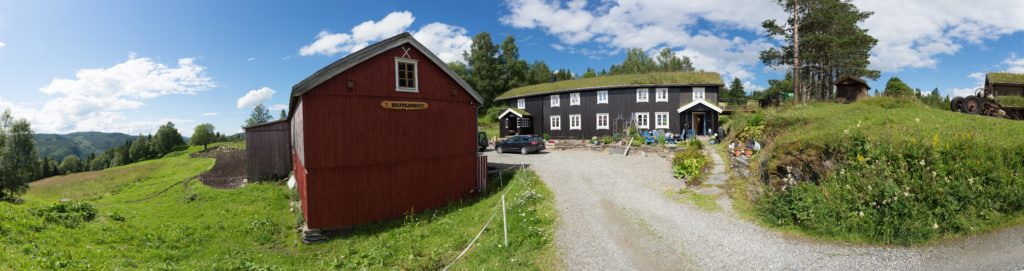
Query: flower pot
[749, 152]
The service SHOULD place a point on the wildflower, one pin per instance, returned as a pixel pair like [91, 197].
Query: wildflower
[935, 226]
[869, 187]
[861, 213]
[934, 174]
[920, 162]
[906, 194]
[917, 120]
[858, 124]
[847, 131]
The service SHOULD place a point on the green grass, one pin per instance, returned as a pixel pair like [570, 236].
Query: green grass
[1010, 101]
[1004, 77]
[892, 171]
[704, 202]
[170, 222]
[656, 78]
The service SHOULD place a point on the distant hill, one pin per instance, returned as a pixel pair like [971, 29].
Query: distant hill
[79, 144]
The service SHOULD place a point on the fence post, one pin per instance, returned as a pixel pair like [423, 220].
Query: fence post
[504, 220]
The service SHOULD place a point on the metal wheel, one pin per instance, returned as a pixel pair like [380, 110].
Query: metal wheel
[973, 105]
[524, 151]
[497, 149]
[956, 105]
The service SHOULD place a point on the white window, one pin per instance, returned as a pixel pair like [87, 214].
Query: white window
[602, 121]
[661, 120]
[698, 93]
[524, 122]
[602, 97]
[556, 123]
[574, 122]
[574, 98]
[521, 103]
[555, 100]
[642, 120]
[661, 95]
[641, 95]
[406, 77]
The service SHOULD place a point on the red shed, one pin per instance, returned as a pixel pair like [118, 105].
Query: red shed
[380, 133]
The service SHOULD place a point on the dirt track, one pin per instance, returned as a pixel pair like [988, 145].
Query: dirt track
[229, 170]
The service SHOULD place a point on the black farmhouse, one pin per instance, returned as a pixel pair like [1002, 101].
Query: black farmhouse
[673, 102]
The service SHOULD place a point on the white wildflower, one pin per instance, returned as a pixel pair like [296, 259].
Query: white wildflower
[917, 120]
[906, 194]
[861, 213]
[921, 162]
[858, 124]
[935, 226]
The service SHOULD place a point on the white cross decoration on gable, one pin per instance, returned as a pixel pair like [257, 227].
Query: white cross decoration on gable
[406, 54]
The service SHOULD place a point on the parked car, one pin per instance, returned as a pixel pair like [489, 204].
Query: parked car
[481, 141]
[524, 144]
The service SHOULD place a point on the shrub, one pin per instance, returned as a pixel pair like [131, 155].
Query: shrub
[607, 139]
[547, 137]
[689, 164]
[68, 215]
[117, 217]
[493, 112]
[756, 119]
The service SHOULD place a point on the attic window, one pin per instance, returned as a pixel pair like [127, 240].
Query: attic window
[406, 79]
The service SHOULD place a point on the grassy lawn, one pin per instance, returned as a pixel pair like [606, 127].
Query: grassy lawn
[154, 215]
[890, 171]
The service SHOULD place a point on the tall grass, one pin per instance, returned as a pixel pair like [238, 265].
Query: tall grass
[893, 171]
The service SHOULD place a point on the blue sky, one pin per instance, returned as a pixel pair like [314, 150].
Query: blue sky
[127, 66]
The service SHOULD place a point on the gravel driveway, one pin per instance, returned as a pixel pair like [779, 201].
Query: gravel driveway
[615, 215]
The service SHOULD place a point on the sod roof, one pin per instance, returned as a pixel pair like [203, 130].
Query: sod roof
[1004, 78]
[613, 81]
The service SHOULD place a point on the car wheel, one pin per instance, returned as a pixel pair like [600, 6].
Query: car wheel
[524, 151]
[497, 149]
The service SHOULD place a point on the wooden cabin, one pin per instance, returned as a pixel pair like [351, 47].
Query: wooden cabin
[268, 150]
[849, 89]
[381, 133]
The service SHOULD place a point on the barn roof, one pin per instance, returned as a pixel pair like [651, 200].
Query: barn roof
[658, 79]
[364, 54]
[1004, 78]
[265, 124]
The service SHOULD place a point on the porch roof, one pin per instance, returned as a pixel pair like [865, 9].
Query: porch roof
[695, 103]
[518, 112]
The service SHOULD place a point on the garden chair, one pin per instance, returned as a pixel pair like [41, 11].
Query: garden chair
[649, 137]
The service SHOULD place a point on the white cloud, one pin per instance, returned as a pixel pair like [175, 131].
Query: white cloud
[656, 24]
[1014, 64]
[254, 97]
[913, 34]
[210, 114]
[277, 107]
[251, 59]
[2, 45]
[96, 99]
[446, 41]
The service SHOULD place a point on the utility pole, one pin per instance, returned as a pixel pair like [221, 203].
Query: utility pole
[796, 50]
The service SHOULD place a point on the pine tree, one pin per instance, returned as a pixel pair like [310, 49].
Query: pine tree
[736, 92]
[284, 115]
[590, 73]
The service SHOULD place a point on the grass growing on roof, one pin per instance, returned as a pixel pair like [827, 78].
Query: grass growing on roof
[699, 78]
[1005, 77]
[148, 218]
[893, 171]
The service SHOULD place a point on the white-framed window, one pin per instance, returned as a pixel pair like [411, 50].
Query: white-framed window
[602, 97]
[555, 100]
[641, 95]
[642, 120]
[574, 98]
[574, 122]
[602, 121]
[524, 122]
[521, 103]
[406, 76]
[556, 123]
[661, 95]
[698, 93]
[661, 120]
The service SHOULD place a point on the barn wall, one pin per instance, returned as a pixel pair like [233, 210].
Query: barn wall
[268, 151]
[300, 181]
[297, 136]
[366, 163]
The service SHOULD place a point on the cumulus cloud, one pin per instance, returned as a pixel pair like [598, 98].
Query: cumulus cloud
[446, 41]
[654, 24]
[1014, 64]
[96, 99]
[210, 114]
[254, 97]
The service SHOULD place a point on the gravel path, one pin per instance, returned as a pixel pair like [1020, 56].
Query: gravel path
[615, 214]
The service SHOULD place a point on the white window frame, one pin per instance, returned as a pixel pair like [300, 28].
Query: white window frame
[602, 94]
[606, 121]
[556, 101]
[657, 120]
[661, 95]
[641, 95]
[524, 123]
[521, 103]
[575, 122]
[415, 71]
[556, 123]
[646, 123]
[698, 93]
[574, 98]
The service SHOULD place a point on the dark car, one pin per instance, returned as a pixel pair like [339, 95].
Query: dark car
[481, 141]
[523, 144]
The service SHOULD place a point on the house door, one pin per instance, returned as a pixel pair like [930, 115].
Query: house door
[699, 123]
[511, 126]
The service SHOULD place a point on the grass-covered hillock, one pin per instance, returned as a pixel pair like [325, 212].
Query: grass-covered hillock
[149, 215]
[886, 170]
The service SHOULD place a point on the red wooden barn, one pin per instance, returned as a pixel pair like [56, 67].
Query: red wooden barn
[383, 132]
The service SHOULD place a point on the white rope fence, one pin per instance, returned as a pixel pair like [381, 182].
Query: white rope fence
[494, 210]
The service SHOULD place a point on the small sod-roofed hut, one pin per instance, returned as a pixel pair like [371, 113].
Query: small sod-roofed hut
[849, 89]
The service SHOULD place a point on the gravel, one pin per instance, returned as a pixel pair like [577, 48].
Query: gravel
[616, 214]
